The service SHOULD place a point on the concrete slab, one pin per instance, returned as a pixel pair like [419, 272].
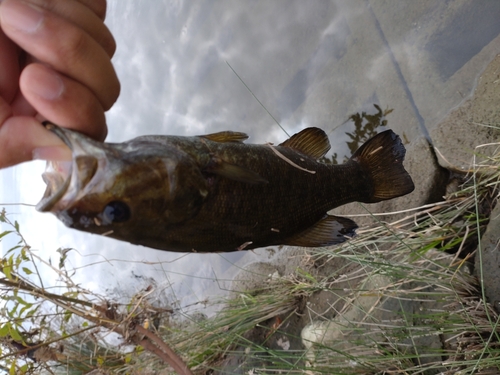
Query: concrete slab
[471, 133]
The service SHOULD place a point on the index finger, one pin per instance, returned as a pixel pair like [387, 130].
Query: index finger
[82, 14]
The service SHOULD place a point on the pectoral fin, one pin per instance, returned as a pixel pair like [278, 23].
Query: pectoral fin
[234, 172]
[226, 136]
[330, 230]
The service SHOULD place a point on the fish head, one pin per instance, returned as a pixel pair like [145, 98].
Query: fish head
[124, 190]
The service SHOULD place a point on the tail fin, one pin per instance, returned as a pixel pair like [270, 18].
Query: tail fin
[382, 158]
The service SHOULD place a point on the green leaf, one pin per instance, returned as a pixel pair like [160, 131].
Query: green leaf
[14, 333]
[32, 312]
[67, 315]
[71, 294]
[4, 330]
[12, 312]
[27, 271]
[28, 306]
[6, 270]
[5, 233]
[21, 301]
[13, 248]
[23, 253]
[12, 370]
[85, 324]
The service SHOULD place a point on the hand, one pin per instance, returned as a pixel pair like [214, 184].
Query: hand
[55, 64]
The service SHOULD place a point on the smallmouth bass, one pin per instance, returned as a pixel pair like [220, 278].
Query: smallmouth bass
[214, 193]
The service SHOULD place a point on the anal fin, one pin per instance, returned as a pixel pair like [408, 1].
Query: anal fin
[330, 230]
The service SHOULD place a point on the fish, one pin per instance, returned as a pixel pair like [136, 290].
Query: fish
[215, 193]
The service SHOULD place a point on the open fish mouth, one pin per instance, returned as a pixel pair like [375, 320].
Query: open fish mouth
[57, 176]
[65, 179]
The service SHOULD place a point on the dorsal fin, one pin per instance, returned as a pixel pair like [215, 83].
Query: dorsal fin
[312, 142]
[226, 136]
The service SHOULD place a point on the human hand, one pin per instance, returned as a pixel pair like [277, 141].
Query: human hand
[55, 65]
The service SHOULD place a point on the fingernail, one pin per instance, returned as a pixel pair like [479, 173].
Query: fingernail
[21, 16]
[48, 85]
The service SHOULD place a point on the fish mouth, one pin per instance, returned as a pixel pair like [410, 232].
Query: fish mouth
[66, 179]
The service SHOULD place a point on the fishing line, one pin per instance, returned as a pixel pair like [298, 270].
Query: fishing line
[280, 155]
[258, 101]
[18, 204]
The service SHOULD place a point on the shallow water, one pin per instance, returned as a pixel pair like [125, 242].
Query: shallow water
[313, 63]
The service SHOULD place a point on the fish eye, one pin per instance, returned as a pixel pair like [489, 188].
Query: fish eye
[116, 212]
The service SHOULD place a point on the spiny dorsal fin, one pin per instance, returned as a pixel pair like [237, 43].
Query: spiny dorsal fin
[233, 172]
[330, 230]
[226, 136]
[312, 142]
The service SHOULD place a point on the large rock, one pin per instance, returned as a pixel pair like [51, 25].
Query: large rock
[487, 266]
[462, 134]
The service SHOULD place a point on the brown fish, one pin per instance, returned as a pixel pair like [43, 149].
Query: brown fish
[214, 193]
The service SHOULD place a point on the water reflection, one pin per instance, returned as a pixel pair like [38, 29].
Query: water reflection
[365, 125]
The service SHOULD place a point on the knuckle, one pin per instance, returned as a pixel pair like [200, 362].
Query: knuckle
[112, 94]
[96, 6]
[108, 43]
[73, 47]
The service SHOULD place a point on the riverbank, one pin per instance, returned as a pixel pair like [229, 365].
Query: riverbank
[417, 290]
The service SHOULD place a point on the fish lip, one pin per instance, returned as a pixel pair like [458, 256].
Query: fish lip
[54, 190]
[60, 132]
[62, 177]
